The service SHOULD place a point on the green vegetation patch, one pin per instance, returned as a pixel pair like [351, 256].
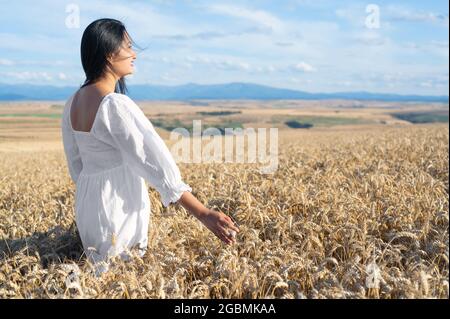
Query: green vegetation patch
[219, 113]
[423, 117]
[302, 121]
[297, 124]
[48, 115]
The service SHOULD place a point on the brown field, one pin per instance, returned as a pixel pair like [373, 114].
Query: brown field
[344, 196]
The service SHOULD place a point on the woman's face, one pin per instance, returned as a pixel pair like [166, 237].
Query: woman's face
[122, 61]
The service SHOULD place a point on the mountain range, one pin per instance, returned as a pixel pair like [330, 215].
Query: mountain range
[192, 91]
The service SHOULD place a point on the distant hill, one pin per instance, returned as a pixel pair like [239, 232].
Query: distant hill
[191, 91]
[19, 92]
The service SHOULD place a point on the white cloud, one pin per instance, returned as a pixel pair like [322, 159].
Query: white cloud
[400, 13]
[271, 68]
[34, 43]
[231, 65]
[6, 62]
[29, 76]
[371, 38]
[426, 84]
[433, 48]
[168, 77]
[440, 44]
[207, 35]
[220, 62]
[257, 16]
[356, 15]
[141, 18]
[284, 44]
[304, 67]
[301, 81]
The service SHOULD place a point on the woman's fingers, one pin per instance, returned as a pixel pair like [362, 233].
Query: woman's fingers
[228, 223]
[232, 224]
[233, 227]
[226, 236]
[220, 232]
[224, 230]
[230, 235]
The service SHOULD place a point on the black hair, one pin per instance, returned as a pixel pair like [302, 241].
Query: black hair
[101, 39]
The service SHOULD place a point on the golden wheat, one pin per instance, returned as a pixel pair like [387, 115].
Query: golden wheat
[337, 204]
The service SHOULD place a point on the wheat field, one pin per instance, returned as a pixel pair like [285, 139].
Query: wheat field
[339, 203]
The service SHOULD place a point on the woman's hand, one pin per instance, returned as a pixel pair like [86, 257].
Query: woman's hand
[221, 225]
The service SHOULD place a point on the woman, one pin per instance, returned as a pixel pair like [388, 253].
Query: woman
[112, 149]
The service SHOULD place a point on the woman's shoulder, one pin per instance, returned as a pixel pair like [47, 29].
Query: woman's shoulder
[119, 100]
[119, 103]
[118, 97]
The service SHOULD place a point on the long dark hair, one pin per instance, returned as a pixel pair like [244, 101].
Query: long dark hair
[102, 38]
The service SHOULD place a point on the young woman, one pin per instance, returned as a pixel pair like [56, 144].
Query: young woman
[112, 149]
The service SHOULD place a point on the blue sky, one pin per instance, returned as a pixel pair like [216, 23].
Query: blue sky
[309, 45]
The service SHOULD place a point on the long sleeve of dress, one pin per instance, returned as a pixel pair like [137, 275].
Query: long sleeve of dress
[143, 150]
[71, 150]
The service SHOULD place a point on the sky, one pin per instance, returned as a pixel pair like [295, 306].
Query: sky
[308, 45]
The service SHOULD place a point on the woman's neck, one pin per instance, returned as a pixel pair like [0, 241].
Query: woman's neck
[107, 84]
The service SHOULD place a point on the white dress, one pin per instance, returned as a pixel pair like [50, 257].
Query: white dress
[109, 166]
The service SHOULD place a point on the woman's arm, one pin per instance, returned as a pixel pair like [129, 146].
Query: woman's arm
[217, 222]
[123, 124]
